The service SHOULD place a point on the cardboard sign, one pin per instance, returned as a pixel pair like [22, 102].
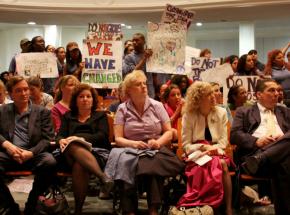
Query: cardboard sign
[40, 64]
[103, 63]
[177, 15]
[248, 82]
[201, 64]
[98, 31]
[167, 42]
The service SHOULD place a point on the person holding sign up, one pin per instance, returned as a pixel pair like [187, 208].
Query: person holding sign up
[137, 61]
[74, 64]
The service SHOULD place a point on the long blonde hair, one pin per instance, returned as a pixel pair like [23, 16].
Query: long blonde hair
[194, 94]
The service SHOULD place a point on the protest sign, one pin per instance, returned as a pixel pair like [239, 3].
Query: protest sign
[201, 64]
[103, 63]
[177, 15]
[189, 53]
[99, 31]
[218, 74]
[167, 42]
[41, 64]
[248, 82]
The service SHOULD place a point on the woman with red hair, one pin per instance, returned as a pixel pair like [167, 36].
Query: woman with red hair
[275, 67]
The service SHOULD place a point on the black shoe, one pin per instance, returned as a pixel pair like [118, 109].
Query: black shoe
[252, 163]
[107, 186]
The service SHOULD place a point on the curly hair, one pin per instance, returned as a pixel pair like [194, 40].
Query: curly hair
[194, 95]
[270, 62]
[131, 78]
[77, 91]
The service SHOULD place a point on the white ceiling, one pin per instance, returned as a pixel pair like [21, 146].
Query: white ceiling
[137, 13]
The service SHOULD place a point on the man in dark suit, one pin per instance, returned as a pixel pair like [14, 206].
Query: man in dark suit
[261, 133]
[25, 135]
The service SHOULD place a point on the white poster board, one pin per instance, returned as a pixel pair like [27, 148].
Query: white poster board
[201, 64]
[103, 63]
[248, 82]
[41, 64]
[167, 42]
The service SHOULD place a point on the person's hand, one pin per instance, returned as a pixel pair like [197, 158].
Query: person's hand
[140, 145]
[11, 149]
[81, 65]
[212, 152]
[148, 53]
[153, 144]
[263, 141]
[26, 155]
[17, 158]
[63, 143]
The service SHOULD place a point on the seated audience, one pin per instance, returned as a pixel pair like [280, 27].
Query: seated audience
[66, 86]
[281, 96]
[219, 99]
[237, 97]
[142, 133]
[262, 138]
[84, 121]
[204, 131]
[114, 106]
[173, 103]
[182, 81]
[37, 95]
[4, 77]
[3, 95]
[25, 135]
[275, 68]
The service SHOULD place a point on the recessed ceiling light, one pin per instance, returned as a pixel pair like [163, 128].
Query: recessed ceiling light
[31, 23]
[198, 24]
[128, 26]
[123, 25]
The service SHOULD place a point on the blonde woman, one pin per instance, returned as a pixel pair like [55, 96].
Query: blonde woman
[204, 132]
[142, 133]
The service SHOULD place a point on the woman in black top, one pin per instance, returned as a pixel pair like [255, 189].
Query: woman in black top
[84, 121]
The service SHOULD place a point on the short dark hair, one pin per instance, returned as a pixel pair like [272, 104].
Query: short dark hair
[13, 81]
[261, 84]
[288, 54]
[77, 91]
[233, 91]
[139, 35]
[253, 51]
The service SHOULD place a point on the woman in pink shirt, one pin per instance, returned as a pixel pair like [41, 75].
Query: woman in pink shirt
[65, 87]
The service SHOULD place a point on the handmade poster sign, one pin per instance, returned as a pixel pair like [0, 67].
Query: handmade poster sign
[248, 82]
[103, 63]
[36, 64]
[167, 42]
[103, 31]
[201, 64]
[177, 15]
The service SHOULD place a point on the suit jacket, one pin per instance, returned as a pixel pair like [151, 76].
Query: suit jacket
[247, 120]
[40, 130]
[193, 127]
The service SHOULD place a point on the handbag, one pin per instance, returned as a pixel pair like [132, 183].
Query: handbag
[52, 201]
[202, 210]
